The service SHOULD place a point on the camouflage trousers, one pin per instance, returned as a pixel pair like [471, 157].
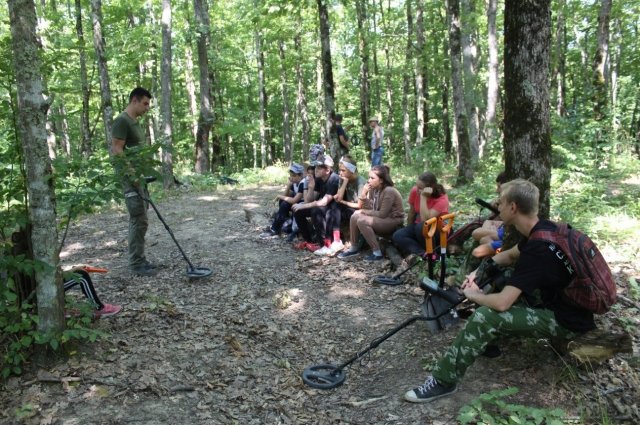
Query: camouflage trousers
[484, 326]
[138, 224]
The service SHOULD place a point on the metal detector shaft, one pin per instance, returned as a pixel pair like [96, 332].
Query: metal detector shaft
[401, 326]
[166, 226]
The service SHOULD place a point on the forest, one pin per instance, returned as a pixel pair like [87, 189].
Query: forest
[547, 90]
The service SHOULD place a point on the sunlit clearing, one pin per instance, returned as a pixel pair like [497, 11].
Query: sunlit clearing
[623, 234]
[346, 293]
[298, 302]
[71, 249]
[208, 198]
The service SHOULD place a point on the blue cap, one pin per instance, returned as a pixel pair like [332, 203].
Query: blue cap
[296, 168]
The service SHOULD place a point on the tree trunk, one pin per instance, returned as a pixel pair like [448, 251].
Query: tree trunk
[32, 109]
[387, 75]
[205, 119]
[446, 125]
[63, 128]
[527, 134]
[363, 50]
[560, 59]
[601, 60]
[406, 119]
[85, 142]
[470, 65]
[420, 73]
[286, 118]
[191, 89]
[303, 111]
[493, 84]
[262, 96]
[327, 80]
[465, 172]
[166, 122]
[216, 142]
[105, 88]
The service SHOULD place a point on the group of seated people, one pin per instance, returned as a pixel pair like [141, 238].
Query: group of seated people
[319, 200]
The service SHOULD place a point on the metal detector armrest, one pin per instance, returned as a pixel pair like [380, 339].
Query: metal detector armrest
[429, 228]
[432, 287]
[487, 205]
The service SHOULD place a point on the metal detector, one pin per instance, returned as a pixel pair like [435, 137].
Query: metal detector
[437, 303]
[432, 305]
[192, 271]
[428, 226]
[327, 376]
[488, 206]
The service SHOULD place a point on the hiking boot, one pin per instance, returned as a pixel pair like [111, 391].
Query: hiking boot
[143, 270]
[348, 253]
[373, 257]
[107, 310]
[325, 250]
[429, 391]
[269, 234]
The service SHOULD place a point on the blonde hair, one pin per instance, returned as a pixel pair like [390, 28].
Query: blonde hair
[523, 193]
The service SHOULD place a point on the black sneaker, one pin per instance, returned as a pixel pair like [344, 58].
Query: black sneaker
[429, 391]
[143, 270]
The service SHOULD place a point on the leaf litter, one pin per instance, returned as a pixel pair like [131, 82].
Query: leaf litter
[230, 348]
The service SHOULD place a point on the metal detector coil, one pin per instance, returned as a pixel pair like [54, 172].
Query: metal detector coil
[198, 272]
[324, 376]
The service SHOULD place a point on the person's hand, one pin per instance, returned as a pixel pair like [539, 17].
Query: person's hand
[427, 191]
[471, 291]
[311, 182]
[338, 198]
[365, 190]
[470, 280]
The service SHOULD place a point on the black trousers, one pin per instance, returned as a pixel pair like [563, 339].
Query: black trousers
[316, 230]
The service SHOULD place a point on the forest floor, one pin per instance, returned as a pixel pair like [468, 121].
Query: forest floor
[231, 348]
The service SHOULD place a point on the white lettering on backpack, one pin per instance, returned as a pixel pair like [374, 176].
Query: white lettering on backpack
[562, 257]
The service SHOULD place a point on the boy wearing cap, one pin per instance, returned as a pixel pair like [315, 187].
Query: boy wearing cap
[292, 195]
[377, 136]
[317, 199]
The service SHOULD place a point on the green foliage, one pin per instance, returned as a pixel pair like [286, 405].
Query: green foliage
[18, 324]
[491, 408]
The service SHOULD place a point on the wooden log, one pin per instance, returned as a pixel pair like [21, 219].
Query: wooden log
[596, 346]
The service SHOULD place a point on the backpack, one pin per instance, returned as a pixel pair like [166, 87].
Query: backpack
[592, 286]
[315, 152]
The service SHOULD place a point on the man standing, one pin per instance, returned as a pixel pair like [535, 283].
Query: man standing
[377, 136]
[317, 199]
[539, 275]
[342, 137]
[127, 133]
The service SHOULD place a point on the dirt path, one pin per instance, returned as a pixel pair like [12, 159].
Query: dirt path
[230, 348]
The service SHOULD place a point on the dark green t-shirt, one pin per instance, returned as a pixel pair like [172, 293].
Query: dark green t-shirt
[128, 129]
